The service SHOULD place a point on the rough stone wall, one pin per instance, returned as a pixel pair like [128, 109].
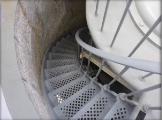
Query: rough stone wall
[37, 24]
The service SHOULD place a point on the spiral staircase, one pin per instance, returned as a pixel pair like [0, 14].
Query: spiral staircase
[71, 93]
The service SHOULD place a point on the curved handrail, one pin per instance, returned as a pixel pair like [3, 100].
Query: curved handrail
[143, 65]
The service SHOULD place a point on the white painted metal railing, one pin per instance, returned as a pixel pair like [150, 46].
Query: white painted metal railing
[143, 65]
[121, 22]
[119, 26]
[139, 64]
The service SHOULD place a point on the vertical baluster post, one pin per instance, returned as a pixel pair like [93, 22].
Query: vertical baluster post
[97, 4]
[105, 14]
[143, 90]
[154, 108]
[100, 68]
[78, 52]
[146, 35]
[121, 21]
[145, 76]
[89, 60]
[117, 76]
[147, 108]
[81, 58]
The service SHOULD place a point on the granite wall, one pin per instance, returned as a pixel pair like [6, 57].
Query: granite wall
[37, 24]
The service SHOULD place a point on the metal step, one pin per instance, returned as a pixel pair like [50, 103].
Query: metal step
[73, 104]
[120, 111]
[65, 46]
[72, 95]
[69, 37]
[57, 63]
[50, 73]
[70, 42]
[61, 94]
[65, 51]
[73, 33]
[58, 56]
[59, 81]
[97, 108]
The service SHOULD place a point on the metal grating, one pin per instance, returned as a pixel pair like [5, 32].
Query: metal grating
[120, 111]
[120, 114]
[65, 51]
[57, 63]
[56, 56]
[96, 109]
[50, 73]
[61, 94]
[70, 91]
[73, 104]
[70, 42]
[57, 82]
[80, 99]
[65, 46]
[69, 37]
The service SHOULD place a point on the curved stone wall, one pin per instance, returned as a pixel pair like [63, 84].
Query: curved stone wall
[37, 24]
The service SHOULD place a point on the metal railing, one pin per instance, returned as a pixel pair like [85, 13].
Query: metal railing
[121, 22]
[129, 2]
[139, 64]
[143, 65]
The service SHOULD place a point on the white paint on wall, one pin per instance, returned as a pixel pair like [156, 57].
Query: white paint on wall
[16, 96]
[5, 114]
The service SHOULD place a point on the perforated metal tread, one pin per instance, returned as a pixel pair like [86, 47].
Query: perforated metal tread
[120, 111]
[50, 73]
[59, 56]
[97, 108]
[61, 94]
[73, 104]
[69, 37]
[65, 46]
[70, 42]
[61, 50]
[73, 33]
[57, 82]
[57, 63]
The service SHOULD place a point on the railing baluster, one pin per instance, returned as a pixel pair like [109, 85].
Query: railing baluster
[97, 4]
[89, 60]
[118, 76]
[143, 90]
[82, 58]
[78, 52]
[100, 68]
[154, 108]
[121, 21]
[105, 14]
[145, 36]
[145, 76]
[147, 108]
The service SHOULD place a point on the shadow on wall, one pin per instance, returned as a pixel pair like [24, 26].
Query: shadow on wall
[37, 24]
